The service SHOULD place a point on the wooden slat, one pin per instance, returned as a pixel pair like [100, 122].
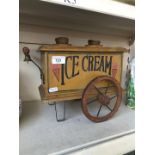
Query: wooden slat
[92, 48]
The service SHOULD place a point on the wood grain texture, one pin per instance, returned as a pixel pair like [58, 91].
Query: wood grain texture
[87, 48]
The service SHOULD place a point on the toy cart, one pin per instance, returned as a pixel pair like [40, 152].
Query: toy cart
[91, 73]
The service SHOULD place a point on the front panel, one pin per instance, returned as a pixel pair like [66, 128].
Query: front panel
[71, 71]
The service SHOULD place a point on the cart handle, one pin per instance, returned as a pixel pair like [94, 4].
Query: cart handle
[28, 58]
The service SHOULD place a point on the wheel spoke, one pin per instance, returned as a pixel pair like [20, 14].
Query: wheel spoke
[106, 89]
[108, 107]
[98, 90]
[99, 110]
[113, 97]
[92, 100]
[108, 86]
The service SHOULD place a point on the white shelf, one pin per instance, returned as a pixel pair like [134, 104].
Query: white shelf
[91, 18]
[40, 133]
[121, 145]
[109, 7]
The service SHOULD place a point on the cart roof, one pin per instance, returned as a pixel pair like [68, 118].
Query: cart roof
[87, 48]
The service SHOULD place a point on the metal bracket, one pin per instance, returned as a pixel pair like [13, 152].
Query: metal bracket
[28, 58]
[51, 103]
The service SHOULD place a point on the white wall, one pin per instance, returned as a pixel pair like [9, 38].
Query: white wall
[33, 36]
[132, 51]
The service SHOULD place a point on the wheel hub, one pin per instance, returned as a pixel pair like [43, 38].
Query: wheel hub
[104, 100]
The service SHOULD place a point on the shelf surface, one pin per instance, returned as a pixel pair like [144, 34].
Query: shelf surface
[72, 18]
[40, 133]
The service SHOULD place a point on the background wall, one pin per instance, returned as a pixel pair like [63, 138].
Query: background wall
[34, 36]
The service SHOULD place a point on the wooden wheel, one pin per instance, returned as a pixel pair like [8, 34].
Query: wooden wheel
[101, 98]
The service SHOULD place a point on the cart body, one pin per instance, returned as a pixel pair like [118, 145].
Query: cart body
[68, 69]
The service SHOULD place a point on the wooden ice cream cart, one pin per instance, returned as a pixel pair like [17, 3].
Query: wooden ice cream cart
[91, 73]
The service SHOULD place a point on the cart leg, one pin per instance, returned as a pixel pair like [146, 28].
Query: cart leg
[51, 103]
[60, 107]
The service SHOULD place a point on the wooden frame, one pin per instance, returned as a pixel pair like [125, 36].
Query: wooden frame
[48, 51]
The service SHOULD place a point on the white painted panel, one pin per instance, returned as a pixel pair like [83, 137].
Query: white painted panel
[69, 18]
[46, 35]
[103, 6]
[132, 51]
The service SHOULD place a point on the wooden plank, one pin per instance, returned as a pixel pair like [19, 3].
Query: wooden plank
[92, 48]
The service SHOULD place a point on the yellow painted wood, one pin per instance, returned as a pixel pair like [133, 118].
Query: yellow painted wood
[84, 77]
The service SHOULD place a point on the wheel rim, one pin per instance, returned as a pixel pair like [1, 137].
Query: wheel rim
[101, 98]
